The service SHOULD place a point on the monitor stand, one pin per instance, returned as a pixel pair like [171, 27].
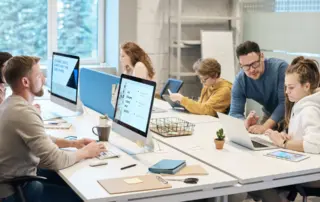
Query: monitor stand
[138, 148]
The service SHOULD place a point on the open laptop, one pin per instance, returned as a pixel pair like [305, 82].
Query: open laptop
[237, 133]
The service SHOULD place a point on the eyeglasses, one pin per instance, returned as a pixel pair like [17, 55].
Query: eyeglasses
[254, 65]
[204, 80]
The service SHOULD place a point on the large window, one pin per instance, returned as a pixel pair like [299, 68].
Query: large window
[297, 6]
[39, 27]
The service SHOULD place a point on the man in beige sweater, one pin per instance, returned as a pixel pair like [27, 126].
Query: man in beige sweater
[24, 145]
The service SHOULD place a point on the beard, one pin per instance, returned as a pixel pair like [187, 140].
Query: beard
[38, 93]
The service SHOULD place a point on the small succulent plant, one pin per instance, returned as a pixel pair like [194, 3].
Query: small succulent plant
[220, 134]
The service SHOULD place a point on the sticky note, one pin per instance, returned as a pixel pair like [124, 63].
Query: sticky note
[133, 180]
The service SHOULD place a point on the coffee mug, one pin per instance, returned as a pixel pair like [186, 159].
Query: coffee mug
[102, 132]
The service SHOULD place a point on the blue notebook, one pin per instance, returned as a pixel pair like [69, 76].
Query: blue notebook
[167, 166]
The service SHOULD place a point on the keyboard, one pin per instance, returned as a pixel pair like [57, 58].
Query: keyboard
[108, 154]
[259, 142]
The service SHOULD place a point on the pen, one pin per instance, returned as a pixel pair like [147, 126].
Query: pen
[129, 166]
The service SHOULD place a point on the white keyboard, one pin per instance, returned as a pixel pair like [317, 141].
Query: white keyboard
[108, 154]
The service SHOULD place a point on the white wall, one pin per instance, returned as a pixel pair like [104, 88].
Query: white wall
[150, 29]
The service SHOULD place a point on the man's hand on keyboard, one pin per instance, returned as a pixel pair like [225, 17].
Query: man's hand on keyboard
[93, 149]
[82, 142]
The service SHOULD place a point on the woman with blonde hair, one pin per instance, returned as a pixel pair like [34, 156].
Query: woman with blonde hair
[215, 94]
[136, 62]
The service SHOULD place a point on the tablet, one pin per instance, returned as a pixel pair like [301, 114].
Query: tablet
[289, 156]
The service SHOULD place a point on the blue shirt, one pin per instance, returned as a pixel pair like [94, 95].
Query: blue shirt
[268, 90]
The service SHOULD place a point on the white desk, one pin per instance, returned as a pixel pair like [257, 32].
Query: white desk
[83, 179]
[252, 169]
[192, 118]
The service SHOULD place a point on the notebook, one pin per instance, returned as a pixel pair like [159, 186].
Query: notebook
[190, 170]
[134, 184]
[167, 166]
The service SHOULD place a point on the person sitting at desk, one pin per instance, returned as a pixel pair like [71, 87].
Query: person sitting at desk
[261, 80]
[215, 94]
[24, 144]
[136, 62]
[4, 56]
[302, 117]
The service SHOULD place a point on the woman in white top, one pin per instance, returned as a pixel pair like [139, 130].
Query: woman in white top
[302, 108]
[136, 62]
[302, 117]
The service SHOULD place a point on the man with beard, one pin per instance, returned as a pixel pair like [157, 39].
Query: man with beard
[262, 80]
[24, 145]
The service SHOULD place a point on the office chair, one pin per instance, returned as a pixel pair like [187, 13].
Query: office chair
[18, 182]
[173, 84]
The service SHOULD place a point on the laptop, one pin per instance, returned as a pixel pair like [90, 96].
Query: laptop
[237, 133]
[174, 105]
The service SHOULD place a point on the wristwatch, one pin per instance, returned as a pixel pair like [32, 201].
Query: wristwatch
[284, 144]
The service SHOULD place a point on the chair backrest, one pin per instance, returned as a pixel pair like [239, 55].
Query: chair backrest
[173, 84]
[96, 90]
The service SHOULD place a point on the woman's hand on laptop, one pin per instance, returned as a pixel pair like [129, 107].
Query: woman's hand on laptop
[176, 97]
[276, 137]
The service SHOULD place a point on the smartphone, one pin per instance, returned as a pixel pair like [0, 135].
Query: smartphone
[289, 156]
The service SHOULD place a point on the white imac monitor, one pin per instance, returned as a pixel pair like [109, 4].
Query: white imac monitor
[65, 80]
[133, 108]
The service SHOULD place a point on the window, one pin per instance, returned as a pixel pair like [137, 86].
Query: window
[297, 6]
[39, 27]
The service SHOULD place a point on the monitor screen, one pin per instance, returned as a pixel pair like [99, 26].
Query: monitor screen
[134, 104]
[64, 76]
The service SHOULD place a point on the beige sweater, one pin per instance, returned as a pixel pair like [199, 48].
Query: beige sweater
[24, 145]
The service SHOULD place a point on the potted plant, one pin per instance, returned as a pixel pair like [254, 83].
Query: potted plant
[219, 141]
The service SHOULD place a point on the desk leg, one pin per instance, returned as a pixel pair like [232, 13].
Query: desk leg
[224, 198]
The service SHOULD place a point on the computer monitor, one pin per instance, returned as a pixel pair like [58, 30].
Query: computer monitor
[133, 108]
[64, 80]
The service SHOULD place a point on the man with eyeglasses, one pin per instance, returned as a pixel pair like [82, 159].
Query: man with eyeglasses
[262, 80]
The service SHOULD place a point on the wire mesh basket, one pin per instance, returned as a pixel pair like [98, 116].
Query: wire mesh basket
[171, 127]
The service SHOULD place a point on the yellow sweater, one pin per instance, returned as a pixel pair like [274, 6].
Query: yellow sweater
[213, 99]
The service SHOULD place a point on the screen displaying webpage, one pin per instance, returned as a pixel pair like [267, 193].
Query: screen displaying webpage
[64, 77]
[134, 102]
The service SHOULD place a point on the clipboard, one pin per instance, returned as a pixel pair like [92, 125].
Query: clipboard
[134, 184]
[190, 170]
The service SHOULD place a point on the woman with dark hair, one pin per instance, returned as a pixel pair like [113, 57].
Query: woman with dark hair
[4, 57]
[136, 62]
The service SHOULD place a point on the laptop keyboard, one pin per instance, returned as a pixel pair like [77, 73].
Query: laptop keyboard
[259, 143]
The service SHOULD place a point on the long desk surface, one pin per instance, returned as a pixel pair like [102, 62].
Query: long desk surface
[251, 169]
[83, 178]
[247, 166]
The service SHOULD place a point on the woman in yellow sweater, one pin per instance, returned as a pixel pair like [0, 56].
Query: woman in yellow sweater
[216, 92]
